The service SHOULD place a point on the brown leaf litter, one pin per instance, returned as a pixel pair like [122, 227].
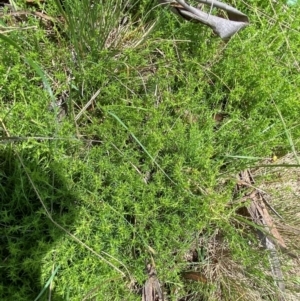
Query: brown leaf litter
[152, 290]
[278, 233]
[282, 181]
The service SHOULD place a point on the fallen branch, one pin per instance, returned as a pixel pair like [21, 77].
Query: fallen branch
[224, 28]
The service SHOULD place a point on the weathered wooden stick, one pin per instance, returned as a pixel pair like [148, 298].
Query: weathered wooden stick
[224, 28]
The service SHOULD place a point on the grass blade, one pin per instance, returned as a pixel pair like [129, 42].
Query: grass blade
[141, 145]
[47, 283]
[61, 10]
[40, 72]
[245, 157]
[288, 134]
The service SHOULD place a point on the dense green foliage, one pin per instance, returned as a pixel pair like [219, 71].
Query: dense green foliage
[146, 167]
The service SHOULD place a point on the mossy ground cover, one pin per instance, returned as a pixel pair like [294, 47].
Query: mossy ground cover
[148, 168]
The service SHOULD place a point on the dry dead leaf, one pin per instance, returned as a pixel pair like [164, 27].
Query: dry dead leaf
[260, 215]
[257, 208]
[195, 276]
[225, 28]
[152, 289]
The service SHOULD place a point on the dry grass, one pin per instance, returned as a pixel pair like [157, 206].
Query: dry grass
[230, 279]
[283, 185]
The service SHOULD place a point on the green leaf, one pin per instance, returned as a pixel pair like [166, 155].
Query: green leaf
[47, 283]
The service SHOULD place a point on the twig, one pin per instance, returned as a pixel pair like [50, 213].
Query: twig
[87, 105]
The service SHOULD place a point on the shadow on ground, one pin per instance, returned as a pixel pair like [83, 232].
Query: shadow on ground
[26, 233]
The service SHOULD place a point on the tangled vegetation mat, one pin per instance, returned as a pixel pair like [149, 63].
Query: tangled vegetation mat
[143, 157]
